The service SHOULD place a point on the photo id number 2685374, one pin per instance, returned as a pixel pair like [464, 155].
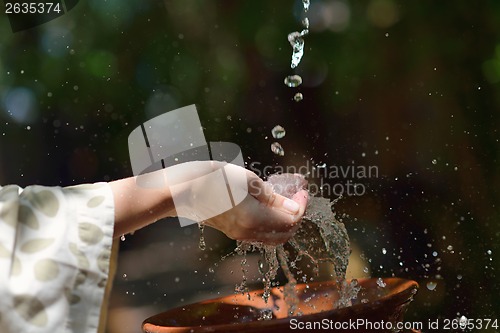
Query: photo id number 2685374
[34, 7]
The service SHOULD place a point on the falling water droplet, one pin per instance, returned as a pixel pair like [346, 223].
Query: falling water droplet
[122, 238]
[261, 267]
[434, 161]
[463, 322]
[305, 22]
[202, 245]
[381, 283]
[278, 132]
[293, 81]
[211, 270]
[277, 149]
[431, 285]
[298, 97]
[306, 4]
[384, 251]
[297, 43]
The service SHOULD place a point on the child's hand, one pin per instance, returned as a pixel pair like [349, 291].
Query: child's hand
[263, 215]
[199, 191]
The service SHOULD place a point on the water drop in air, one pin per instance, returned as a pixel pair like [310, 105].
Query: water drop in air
[434, 161]
[277, 149]
[306, 4]
[293, 81]
[431, 285]
[297, 43]
[298, 97]
[381, 283]
[278, 132]
[122, 238]
[305, 22]
[261, 267]
[463, 322]
[202, 245]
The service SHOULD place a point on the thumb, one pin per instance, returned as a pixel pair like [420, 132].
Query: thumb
[264, 193]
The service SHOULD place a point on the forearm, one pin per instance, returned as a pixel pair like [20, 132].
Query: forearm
[139, 203]
[136, 206]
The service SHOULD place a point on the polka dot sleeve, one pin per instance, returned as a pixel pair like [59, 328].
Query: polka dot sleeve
[55, 249]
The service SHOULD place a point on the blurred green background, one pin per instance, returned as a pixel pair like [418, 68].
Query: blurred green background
[412, 87]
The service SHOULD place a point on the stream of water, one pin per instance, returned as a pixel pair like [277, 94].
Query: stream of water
[320, 238]
[296, 40]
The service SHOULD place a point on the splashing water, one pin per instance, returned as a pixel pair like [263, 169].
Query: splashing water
[243, 286]
[277, 149]
[278, 132]
[320, 238]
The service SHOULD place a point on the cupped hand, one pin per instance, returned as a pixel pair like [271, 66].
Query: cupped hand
[263, 216]
[225, 196]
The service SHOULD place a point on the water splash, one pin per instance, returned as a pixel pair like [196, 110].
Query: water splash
[242, 250]
[320, 238]
[270, 275]
[289, 290]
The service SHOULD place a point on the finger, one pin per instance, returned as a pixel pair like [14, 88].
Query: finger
[301, 198]
[264, 193]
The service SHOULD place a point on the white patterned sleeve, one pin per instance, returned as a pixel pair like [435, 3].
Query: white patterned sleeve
[55, 249]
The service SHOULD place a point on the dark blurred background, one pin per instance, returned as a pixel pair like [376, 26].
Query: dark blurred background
[412, 88]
